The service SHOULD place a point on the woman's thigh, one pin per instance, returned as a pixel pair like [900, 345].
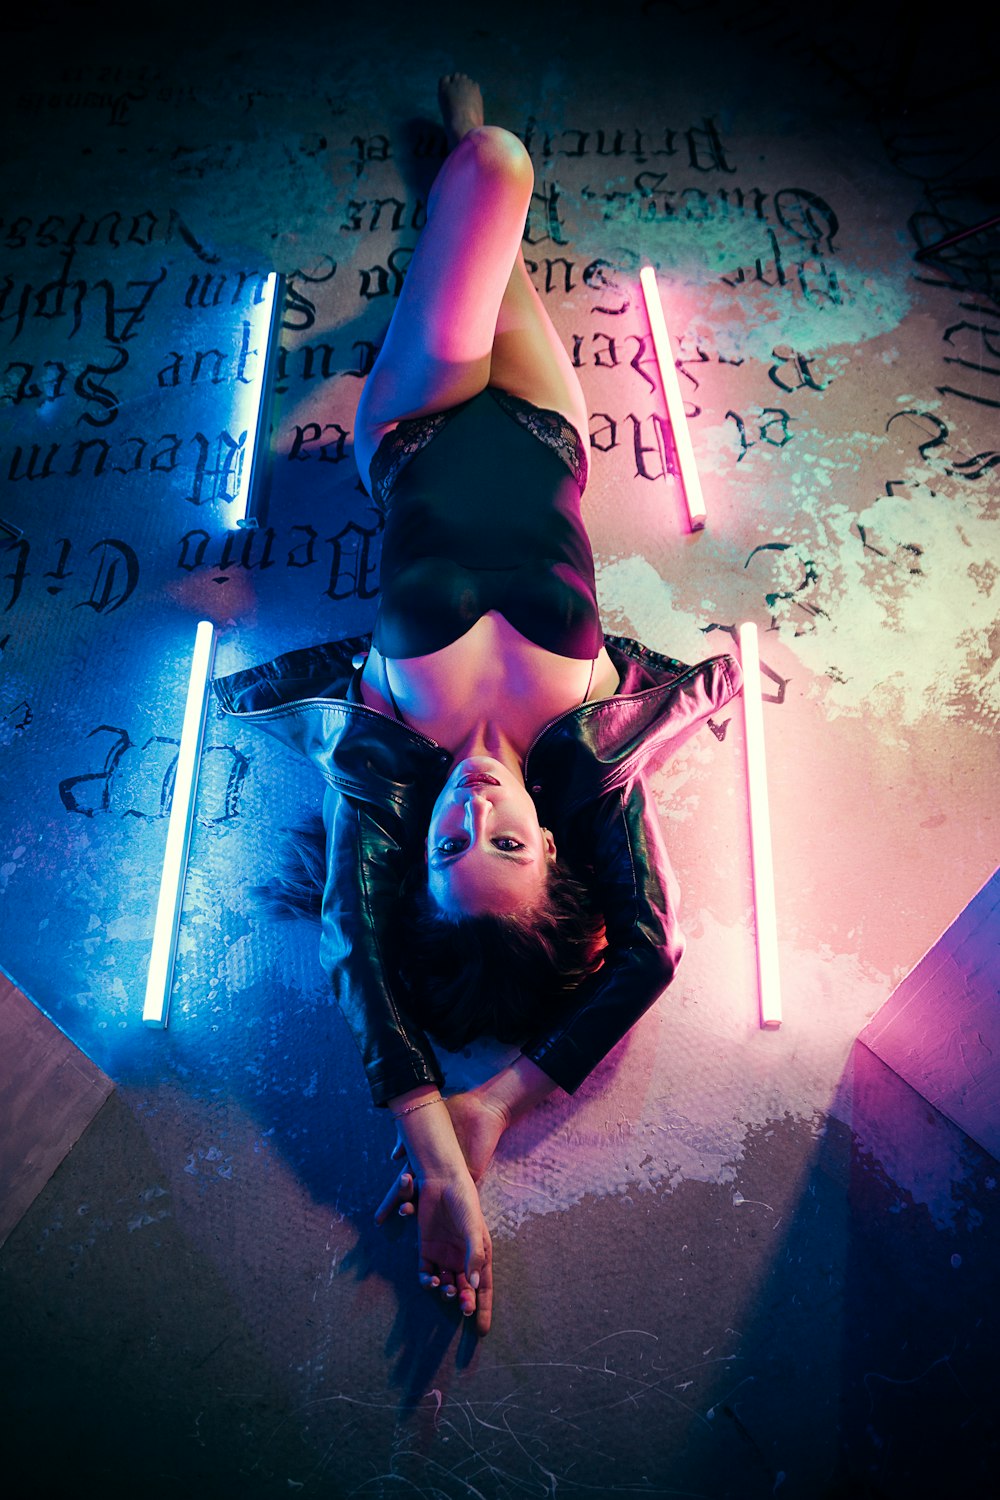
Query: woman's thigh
[438, 350]
[529, 358]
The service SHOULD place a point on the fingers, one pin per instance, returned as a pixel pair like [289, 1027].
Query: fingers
[484, 1300]
[387, 1205]
[452, 1285]
[434, 1278]
[406, 1189]
[482, 1280]
[454, 1247]
[466, 1295]
[428, 1275]
[400, 1196]
[477, 1248]
[474, 1300]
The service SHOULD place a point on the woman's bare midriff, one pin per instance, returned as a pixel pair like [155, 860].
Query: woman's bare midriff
[491, 672]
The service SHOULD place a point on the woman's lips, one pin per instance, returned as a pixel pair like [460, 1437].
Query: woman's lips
[479, 778]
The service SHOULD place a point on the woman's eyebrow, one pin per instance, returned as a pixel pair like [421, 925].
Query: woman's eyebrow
[510, 854]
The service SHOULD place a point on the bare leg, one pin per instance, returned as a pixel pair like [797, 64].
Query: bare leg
[529, 358]
[438, 350]
[468, 315]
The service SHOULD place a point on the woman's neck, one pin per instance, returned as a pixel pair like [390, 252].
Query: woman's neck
[487, 737]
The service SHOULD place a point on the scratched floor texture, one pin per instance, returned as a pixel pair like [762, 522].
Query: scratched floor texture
[737, 1263]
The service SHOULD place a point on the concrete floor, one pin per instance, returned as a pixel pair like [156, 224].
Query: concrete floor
[737, 1263]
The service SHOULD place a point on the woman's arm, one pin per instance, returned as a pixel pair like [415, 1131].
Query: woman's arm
[365, 865]
[454, 1246]
[479, 1117]
[482, 1114]
[515, 1089]
[308, 699]
[448, 1144]
[638, 894]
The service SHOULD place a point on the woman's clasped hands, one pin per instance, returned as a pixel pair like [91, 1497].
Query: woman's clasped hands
[447, 1146]
[446, 1157]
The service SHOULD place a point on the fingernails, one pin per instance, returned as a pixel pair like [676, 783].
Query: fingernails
[449, 1291]
[474, 1280]
[467, 1312]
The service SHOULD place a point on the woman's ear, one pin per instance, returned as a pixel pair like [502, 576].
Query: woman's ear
[548, 844]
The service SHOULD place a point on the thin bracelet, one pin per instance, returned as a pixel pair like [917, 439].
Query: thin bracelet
[411, 1107]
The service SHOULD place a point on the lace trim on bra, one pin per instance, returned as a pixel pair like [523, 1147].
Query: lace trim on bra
[407, 438]
[397, 448]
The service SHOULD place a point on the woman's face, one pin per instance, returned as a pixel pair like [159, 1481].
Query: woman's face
[485, 849]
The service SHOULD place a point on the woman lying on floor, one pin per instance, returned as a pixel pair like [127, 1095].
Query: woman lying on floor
[491, 863]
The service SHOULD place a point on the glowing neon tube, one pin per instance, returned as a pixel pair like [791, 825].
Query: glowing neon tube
[674, 399]
[269, 322]
[168, 907]
[765, 916]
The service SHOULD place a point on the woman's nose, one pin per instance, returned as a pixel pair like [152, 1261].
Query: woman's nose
[476, 811]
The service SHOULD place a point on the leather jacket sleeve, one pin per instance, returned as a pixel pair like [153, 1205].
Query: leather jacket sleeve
[637, 891]
[365, 864]
[380, 775]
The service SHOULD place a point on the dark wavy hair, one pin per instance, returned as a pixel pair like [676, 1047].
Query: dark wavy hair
[465, 976]
[493, 975]
[295, 889]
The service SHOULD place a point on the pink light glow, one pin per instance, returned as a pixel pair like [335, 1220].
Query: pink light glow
[760, 833]
[674, 400]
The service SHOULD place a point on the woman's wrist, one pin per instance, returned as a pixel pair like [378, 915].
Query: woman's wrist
[411, 1108]
[515, 1089]
[425, 1126]
[402, 1102]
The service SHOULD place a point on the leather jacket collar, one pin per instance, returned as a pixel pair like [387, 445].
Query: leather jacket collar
[311, 699]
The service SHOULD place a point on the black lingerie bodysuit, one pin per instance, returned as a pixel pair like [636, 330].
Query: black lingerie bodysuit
[482, 512]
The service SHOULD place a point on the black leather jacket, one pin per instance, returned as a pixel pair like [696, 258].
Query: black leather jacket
[583, 771]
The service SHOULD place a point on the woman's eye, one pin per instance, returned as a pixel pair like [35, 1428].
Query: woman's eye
[451, 846]
[509, 846]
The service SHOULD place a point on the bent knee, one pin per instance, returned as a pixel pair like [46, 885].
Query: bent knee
[499, 154]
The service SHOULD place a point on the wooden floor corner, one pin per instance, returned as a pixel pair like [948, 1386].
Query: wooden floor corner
[49, 1093]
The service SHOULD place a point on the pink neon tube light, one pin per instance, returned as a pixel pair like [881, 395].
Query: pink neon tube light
[674, 400]
[765, 916]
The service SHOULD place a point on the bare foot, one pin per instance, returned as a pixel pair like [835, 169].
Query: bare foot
[461, 102]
